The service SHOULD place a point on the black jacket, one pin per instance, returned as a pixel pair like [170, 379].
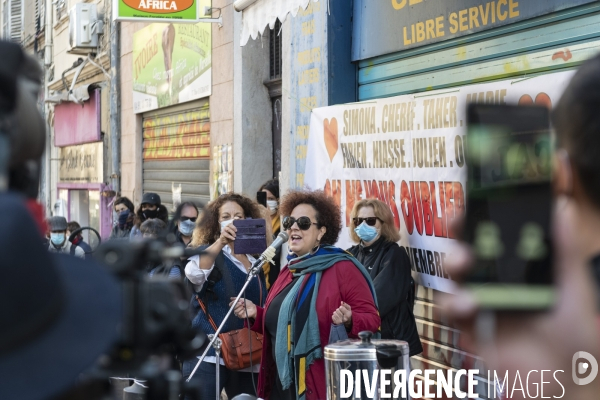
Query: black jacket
[389, 267]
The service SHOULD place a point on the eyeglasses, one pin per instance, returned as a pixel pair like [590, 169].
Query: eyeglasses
[183, 219]
[371, 221]
[304, 223]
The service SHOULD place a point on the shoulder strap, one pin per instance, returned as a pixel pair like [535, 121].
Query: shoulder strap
[73, 248]
[205, 309]
[214, 277]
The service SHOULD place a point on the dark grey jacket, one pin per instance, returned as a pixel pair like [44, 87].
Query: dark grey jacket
[389, 267]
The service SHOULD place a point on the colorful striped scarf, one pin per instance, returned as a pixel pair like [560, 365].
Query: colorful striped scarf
[298, 320]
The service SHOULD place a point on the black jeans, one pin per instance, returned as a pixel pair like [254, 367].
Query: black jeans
[234, 382]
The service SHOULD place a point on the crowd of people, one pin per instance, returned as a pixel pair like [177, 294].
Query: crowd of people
[54, 333]
[367, 288]
[295, 304]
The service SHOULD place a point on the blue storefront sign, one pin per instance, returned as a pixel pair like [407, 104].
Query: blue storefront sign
[388, 26]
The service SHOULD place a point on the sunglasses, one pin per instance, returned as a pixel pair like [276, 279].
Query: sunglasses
[183, 219]
[304, 223]
[371, 221]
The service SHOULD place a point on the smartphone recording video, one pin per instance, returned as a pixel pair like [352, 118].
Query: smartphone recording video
[509, 206]
[261, 198]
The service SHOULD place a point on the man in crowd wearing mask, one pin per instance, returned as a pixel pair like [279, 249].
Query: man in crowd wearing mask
[124, 209]
[58, 238]
[78, 241]
[271, 188]
[184, 221]
[150, 208]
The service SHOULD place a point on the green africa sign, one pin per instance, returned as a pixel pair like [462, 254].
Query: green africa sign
[182, 10]
[171, 65]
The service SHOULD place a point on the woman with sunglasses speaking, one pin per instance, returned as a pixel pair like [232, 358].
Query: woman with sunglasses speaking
[372, 226]
[218, 276]
[321, 285]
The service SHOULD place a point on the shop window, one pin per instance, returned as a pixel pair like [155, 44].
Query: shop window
[94, 220]
[84, 207]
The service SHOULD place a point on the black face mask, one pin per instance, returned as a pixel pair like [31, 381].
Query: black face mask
[150, 214]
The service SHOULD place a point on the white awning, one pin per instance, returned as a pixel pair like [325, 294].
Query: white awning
[257, 14]
[77, 95]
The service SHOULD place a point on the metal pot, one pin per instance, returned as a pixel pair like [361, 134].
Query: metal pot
[364, 354]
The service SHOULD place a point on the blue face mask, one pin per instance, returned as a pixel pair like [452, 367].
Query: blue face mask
[123, 217]
[365, 232]
[57, 239]
[186, 227]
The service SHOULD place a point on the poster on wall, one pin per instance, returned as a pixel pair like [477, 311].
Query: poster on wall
[222, 170]
[171, 65]
[167, 10]
[409, 152]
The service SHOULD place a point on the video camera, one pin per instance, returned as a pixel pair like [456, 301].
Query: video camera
[156, 323]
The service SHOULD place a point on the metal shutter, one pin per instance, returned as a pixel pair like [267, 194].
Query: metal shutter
[176, 151]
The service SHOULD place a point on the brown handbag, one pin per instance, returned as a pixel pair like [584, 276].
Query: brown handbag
[240, 347]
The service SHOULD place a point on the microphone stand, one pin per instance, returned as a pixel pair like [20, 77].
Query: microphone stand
[267, 256]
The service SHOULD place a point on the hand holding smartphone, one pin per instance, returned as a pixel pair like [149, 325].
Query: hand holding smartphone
[509, 201]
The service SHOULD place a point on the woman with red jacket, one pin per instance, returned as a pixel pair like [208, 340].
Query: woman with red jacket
[321, 285]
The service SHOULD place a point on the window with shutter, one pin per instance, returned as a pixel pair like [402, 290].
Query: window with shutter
[15, 20]
[275, 51]
[40, 15]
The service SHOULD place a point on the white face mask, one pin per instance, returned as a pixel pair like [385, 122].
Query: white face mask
[272, 205]
[225, 223]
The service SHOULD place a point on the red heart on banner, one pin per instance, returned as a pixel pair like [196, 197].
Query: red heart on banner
[330, 133]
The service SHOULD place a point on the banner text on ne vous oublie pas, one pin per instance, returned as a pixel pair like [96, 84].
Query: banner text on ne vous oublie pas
[410, 152]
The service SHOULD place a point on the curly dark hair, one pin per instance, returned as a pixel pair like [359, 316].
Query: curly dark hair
[328, 213]
[208, 227]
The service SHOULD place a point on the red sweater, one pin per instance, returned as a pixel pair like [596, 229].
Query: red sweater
[342, 282]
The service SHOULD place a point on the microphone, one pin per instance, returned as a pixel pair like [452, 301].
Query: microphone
[269, 253]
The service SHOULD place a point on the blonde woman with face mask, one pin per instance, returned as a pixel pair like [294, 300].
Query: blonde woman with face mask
[372, 227]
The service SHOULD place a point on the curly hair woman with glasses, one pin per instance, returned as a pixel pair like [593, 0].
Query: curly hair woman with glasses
[372, 227]
[321, 285]
[217, 276]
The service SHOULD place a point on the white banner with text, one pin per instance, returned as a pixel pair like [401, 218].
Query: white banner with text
[410, 152]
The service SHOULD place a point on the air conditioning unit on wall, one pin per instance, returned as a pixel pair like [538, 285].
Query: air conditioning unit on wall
[84, 28]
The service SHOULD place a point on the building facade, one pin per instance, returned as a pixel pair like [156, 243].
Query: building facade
[216, 140]
[75, 176]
